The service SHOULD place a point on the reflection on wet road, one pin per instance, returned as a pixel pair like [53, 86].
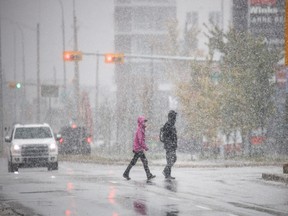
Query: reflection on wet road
[90, 189]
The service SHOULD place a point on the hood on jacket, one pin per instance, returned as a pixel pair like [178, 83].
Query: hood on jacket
[172, 117]
[141, 120]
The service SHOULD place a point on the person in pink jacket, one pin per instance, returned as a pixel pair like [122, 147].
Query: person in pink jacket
[139, 146]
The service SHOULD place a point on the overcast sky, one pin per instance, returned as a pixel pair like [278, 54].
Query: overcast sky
[95, 33]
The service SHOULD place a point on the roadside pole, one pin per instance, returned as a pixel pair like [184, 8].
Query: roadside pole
[1, 101]
[38, 74]
[286, 67]
[96, 99]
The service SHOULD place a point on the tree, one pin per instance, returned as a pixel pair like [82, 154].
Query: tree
[242, 99]
[247, 66]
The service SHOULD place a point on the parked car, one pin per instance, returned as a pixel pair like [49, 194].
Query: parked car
[74, 140]
[32, 145]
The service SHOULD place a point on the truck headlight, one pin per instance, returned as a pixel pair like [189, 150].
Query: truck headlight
[52, 147]
[16, 147]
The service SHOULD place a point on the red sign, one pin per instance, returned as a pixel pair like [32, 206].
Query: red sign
[257, 140]
[281, 76]
[263, 2]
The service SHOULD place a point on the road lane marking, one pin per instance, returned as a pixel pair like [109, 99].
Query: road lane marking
[203, 207]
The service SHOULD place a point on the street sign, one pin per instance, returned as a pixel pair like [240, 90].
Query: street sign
[49, 90]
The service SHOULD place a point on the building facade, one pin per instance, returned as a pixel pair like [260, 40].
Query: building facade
[140, 28]
[143, 27]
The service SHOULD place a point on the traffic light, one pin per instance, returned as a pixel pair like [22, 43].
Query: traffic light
[17, 85]
[72, 56]
[114, 58]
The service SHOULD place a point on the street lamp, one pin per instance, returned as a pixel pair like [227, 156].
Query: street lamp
[76, 68]
[63, 43]
[1, 98]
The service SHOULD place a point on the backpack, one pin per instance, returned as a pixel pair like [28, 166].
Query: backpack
[161, 134]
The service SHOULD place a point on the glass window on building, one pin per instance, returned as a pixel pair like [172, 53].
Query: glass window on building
[142, 44]
[161, 16]
[123, 43]
[122, 19]
[142, 19]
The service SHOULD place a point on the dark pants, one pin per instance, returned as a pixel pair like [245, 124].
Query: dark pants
[171, 158]
[144, 160]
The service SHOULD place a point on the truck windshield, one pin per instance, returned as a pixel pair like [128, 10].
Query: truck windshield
[32, 133]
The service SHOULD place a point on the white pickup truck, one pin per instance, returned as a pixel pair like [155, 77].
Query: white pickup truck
[32, 145]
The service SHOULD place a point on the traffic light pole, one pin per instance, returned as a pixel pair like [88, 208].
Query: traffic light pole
[76, 69]
[96, 125]
[38, 73]
[155, 57]
[1, 101]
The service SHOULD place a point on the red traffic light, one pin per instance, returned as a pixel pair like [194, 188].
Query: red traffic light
[72, 56]
[114, 58]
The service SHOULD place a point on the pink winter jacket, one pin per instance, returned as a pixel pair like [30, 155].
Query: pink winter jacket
[139, 140]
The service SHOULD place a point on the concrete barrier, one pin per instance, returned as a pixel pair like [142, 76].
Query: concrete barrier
[275, 177]
[285, 168]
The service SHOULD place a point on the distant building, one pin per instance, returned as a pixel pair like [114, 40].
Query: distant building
[141, 27]
[263, 18]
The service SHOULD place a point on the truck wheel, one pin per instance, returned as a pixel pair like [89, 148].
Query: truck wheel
[52, 166]
[10, 167]
[55, 166]
[14, 167]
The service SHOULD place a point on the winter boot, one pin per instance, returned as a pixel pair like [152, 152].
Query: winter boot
[127, 171]
[151, 176]
[126, 176]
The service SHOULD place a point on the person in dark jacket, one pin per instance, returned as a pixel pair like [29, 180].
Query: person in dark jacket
[139, 146]
[170, 143]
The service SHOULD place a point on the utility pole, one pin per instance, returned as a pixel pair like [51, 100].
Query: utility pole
[63, 44]
[152, 84]
[96, 125]
[76, 69]
[23, 99]
[1, 100]
[14, 77]
[38, 73]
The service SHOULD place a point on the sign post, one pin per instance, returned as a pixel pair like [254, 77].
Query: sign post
[286, 33]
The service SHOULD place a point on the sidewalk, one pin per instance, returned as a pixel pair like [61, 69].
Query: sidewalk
[11, 208]
[277, 177]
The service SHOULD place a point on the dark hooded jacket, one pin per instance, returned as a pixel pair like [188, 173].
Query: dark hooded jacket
[170, 133]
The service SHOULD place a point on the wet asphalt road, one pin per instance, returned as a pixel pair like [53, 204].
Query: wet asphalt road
[91, 189]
